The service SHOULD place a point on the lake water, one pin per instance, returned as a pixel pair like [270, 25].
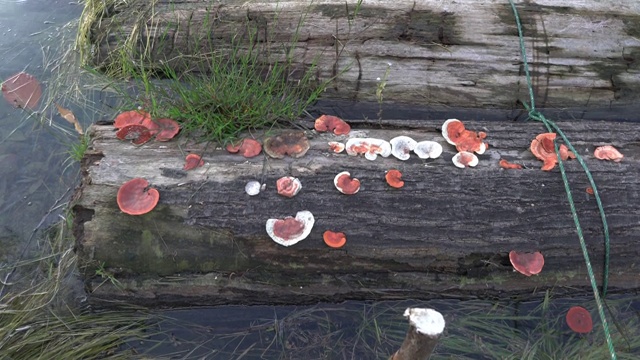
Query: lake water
[37, 179]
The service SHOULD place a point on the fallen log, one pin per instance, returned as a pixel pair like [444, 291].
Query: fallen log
[446, 233]
[439, 53]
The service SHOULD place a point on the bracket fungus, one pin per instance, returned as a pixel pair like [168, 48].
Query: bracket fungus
[402, 146]
[455, 133]
[332, 123]
[394, 178]
[608, 152]
[290, 230]
[292, 143]
[193, 161]
[167, 129]
[288, 186]
[136, 198]
[334, 239]
[508, 165]
[336, 147]
[346, 184]
[428, 149]
[465, 159]
[370, 147]
[22, 90]
[253, 188]
[132, 117]
[527, 263]
[247, 147]
[138, 134]
[579, 320]
[543, 148]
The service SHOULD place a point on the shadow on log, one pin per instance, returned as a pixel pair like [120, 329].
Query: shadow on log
[446, 233]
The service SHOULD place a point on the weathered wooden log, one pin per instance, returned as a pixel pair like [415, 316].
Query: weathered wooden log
[462, 54]
[447, 232]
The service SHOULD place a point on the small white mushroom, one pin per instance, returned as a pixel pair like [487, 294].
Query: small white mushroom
[401, 147]
[290, 230]
[464, 159]
[253, 188]
[428, 149]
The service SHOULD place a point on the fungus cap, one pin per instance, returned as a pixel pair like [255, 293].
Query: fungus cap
[132, 117]
[22, 90]
[508, 165]
[543, 148]
[138, 134]
[193, 161]
[167, 129]
[252, 188]
[370, 147]
[394, 178]
[288, 186]
[465, 159]
[332, 123]
[346, 184]
[290, 230]
[136, 198]
[527, 263]
[608, 152]
[334, 239]
[426, 321]
[428, 149]
[336, 147]
[579, 320]
[452, 129]
[248, 148]
[401, 147]
[292, 143]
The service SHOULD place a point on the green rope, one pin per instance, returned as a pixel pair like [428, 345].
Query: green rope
[552, 127]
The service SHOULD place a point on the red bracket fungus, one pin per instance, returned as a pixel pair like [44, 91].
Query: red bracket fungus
[133, 117]
[332, 123]
[508, 165]
[138, 134]
[527, 263]
[579, 320]
[193, 161]
[136, 198]
[22, 90]
[334, 239]
[608, 152]
[465, 159]
[346, 184]
[370, 147]
[428, 150]
[290, 230]
[402, 146]
[247, 147]
[167, 129]
[394, 178]
[543, 148]
[292, 143]
[454, 133]
[288, 186]
[336, 147]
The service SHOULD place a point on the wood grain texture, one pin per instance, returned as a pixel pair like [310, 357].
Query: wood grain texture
[446, 233]
[462, 54]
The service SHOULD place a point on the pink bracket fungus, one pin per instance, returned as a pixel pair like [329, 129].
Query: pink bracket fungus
[527, 263]
[138, 134]
[253, 188]
[336, 147]
[454, 133]
[167, 129]
[247, 147]
[132, 117]
[402, 146]
[193, 161]
[543, 148]
[292, 143]
[465, 159]
[136, 198]
[370, 147]
[346, 184]
[22, 90]
[608, 152]
[290, 230]
[579, 320]
[508, 165]
[288, 186]
[334, 239]
[428, 149]
[332, 123]
[394, 178]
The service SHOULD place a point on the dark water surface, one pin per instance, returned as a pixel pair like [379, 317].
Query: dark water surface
[36, 180]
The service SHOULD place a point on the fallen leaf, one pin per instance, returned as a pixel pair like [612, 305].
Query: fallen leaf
[22, 90]
[68, 115]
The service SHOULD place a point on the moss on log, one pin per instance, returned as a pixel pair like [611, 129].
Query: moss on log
[448, 232]
[461, 54]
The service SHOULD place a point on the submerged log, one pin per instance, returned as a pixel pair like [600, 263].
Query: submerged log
[461, 54]
[447, 232]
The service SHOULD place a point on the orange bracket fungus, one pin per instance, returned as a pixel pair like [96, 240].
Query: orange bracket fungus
[167, 129]
[334, 239]
[608, 152]
[402, 146]
[464, 159]
[292, 143]
[247, 147]
[508, 165]
[454, 133]
[22, 90]
[288, 186]
[290, 230]
[138, 134]
[193, 161]
[136, 198]
[543, 148]
[428, 150]
[253, 188]
[394, 178]
[527, 263]
[579, 320]
[370, 147]
[346, 184]
[332, 123]
[336, 147]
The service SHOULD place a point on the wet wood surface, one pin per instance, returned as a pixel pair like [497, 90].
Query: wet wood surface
[446, 233]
